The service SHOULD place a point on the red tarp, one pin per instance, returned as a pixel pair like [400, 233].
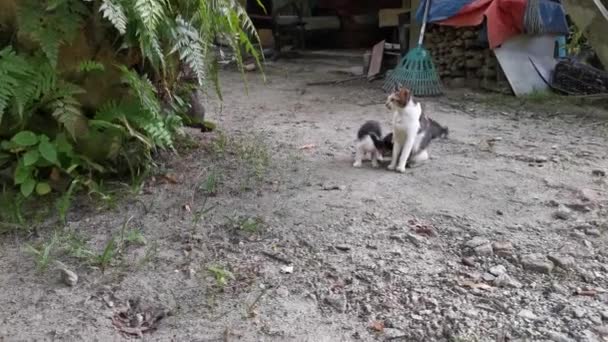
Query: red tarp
[504, 18]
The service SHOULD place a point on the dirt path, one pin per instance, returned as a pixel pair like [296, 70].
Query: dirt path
[376, 255]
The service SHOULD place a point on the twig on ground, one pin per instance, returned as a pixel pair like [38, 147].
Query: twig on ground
[463, 176]
[342, 80]
[255, 302]
[277, 257]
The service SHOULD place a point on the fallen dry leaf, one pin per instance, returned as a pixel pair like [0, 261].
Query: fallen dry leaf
[588, 293]
[421, 228]
[425, 230]
[172, 179]
[135, 318]
[473, 285]
[377, 326]
[307, 146]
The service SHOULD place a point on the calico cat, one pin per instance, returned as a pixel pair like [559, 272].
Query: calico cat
[413, 131]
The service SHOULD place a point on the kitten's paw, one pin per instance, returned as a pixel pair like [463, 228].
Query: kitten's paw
[357, 164]
[401, 169]
[391, 167]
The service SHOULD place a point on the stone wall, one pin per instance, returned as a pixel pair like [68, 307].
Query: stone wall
[461, 58]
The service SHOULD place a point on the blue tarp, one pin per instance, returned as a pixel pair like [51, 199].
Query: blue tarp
[441, 9]
[552, 13]
[553, 17]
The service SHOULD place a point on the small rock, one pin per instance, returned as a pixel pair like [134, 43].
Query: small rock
[282, 291]
[558, 337]
[593, 232]
[391, 333]
[498, 270]
[601, 330]
[541, 159]
[562, 213]
[488, 277]
[580, 207]
[483, 249]
[553, 203]
[588, 336]
[578, 313]
[558, 288]
[577, 235]
[537, 263]
[598, 173]
[504, 280]
[604, 315]
[344, 248]
[395, 238]
[288, 269]
[337, 302]
[503, 248]
[68, 277]
[468, 261]
[562, 261]
[527, 314]
[334, 187]
[396, 252]
[415, 239]
[588, 195]
[476, 242]
[250, 67]
[596, 319]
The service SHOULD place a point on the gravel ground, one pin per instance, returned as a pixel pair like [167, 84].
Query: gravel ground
[265, 232]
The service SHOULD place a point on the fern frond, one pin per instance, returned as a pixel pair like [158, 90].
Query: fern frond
[150, 47]
[114, 12]
[66, 109]
[150, 12]
[89, 66]
[140, 119]
[12, 68]
[17, 81]
[191, 48]
[143, 89]
[51, 25]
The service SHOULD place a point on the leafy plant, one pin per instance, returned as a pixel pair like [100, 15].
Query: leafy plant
[221, 275]
[246, 224]
[104, 259]
[11, 213]
[70, 116]
[135, 236]
[43, 253]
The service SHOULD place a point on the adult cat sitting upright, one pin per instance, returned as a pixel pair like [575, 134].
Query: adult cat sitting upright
[413, 131]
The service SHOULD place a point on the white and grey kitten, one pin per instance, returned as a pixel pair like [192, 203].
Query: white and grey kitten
[370, 141]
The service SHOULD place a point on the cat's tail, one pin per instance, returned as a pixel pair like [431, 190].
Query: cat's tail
[445, 132]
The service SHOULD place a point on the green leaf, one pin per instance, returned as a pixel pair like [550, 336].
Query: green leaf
[22, 173]
[27, 187]
[31, 157]
[43, 188]
[25, 139]
[62, 143]
[48, 151]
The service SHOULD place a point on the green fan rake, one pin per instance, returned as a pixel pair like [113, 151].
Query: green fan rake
[416, 70]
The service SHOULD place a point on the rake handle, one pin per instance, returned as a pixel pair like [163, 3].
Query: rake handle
[427, 4]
